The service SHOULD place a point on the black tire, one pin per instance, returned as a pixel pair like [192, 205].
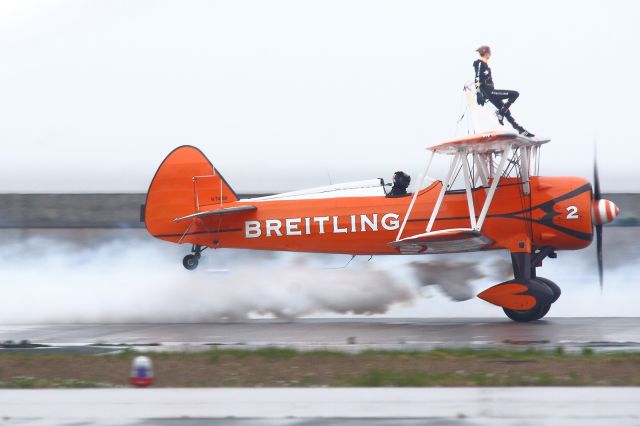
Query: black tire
[553, 286]
[544, 294]
[532, 314]
[545, 311]
[190, 262]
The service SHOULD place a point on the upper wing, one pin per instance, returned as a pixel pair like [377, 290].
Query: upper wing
[486, 142]
[227, 210]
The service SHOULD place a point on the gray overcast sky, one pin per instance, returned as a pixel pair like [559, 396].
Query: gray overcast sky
[282, 94]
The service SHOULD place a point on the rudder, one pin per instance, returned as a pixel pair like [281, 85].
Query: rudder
[184, 183]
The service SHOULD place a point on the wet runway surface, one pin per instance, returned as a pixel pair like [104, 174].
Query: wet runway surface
[324, 406]
[574, 334]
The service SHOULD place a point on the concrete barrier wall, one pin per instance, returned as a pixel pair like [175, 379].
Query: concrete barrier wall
[73, 210]
[123, 210]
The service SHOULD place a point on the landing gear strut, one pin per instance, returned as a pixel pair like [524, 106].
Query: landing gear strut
[542, 289]
[190, 261]
[527, 297]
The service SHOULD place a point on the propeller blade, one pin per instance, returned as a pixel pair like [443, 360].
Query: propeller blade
[599, 253]
[597, 196]
[596, 179]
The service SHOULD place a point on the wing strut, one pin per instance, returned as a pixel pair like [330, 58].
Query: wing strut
[487, 172]
[448, 181]
[494, 185]
[525, 167]
[480, 161]
[467, 187]
[420, 182]
[461, 157]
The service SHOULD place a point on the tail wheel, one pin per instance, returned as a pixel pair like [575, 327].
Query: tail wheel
[539, 311]
[190, 261]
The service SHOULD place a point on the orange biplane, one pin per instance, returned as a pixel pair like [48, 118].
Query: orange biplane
[504, 205]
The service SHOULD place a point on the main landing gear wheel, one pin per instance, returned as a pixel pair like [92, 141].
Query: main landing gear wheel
[190, 262]
[532, 314]
[553, 286]
[538, 311]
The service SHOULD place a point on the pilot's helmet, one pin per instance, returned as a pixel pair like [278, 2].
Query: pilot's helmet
[401, 178]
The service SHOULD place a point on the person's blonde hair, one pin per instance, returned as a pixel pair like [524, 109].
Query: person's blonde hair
[482, 50]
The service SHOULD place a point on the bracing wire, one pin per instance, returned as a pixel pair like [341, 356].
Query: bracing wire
[464, 113]
[353, 256]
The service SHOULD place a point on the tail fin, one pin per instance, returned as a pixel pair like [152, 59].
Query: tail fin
[185, 182]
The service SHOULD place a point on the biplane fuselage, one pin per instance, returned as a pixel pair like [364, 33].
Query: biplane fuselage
[557, 214]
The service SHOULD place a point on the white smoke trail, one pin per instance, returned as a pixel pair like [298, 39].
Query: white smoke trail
[44, 280]
[111, 277]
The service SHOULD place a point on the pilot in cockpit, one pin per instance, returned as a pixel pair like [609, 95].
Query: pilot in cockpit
[401, 182]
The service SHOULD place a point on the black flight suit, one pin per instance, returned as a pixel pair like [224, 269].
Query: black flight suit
[493, 95]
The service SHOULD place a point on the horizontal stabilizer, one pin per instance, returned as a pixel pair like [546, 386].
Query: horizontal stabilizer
[455, 240]
[228, 210]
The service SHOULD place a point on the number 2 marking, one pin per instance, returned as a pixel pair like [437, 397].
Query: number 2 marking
[573, 212]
